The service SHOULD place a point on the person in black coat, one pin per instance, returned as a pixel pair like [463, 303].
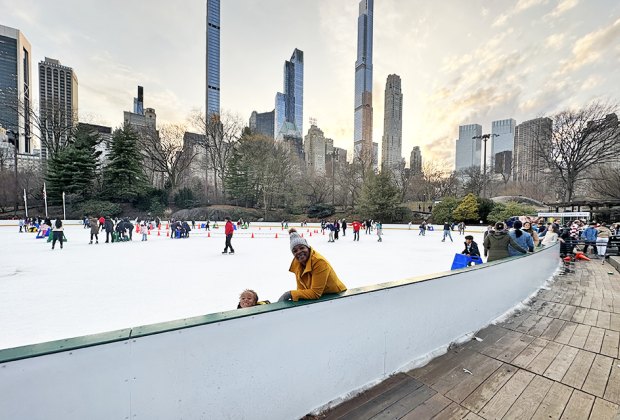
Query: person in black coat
[471, 247]
[109, 229]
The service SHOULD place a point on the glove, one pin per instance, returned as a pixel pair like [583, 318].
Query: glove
[286, 296]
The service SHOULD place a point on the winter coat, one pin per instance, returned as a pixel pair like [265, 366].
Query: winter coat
[603, 232]
[315, 279]
[525, 241]
[534, 236]
[356, 226]
[496, 244]
[229, 229]
[550, 238]
[590, 234]
[472, 251]
[109, 226]
[94, 226]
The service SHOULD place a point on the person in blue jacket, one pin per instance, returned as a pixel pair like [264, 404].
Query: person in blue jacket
[590, 234]
[522, 238]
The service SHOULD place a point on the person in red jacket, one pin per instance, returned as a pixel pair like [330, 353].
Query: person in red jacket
[356, 230]
[228, 230]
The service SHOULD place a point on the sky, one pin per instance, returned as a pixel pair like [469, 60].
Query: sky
[461, 62]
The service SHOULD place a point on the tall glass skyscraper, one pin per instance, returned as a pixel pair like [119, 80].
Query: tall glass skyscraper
[362, 135]
[15, 84]
[289, 106]
[213, 57]
[468, 152]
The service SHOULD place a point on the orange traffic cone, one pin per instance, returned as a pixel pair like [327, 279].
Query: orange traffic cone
[310, 233]
[302, 234]
[159, 233]
[276, 236]
[167, 233]
[166, 226]
[149, 231]
[209, 235]
[581, 256]
[252, 235]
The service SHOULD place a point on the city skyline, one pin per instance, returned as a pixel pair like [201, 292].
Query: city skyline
[531, 58]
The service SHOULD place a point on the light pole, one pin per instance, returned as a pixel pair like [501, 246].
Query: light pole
[14, 138]
[484, 138]
[334, 155]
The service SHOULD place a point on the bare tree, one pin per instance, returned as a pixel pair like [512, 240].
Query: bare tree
[166, 154]
[349, 179]
[317, 188]
[579, 140]
[222, 132]
[606, 181]
[472, 180]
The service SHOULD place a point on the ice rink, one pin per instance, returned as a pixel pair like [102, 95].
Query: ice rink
[85, 289]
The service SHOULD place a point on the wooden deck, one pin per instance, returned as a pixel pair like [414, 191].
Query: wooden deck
[556, 360]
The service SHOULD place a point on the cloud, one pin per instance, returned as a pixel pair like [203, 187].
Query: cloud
[591, 47]
[555, 41]
[562, 7]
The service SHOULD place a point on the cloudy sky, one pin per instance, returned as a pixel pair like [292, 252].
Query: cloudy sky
[461, 61]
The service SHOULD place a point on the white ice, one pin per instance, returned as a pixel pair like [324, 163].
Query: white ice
[86, 289]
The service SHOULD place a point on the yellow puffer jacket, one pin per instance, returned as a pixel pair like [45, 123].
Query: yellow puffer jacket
[315, 279]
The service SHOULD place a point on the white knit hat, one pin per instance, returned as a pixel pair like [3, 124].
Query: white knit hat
[296, 239]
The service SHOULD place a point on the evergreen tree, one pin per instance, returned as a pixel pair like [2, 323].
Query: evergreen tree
[123, 179]
[502, 212]
[442, 211]
[237, 181]
[467, 209]
[73, 169]
[380, 198]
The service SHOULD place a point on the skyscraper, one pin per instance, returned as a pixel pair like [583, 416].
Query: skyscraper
[15, 85]
[467, 148]
[262, 123]
[58, 103]
[362, 124]
[213, 58]
[315, 148]
[502, 144]
[527, 164]
[289, 107]
[415, 161]
[391, 145]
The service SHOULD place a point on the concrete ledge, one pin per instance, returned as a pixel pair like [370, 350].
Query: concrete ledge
[615, 263]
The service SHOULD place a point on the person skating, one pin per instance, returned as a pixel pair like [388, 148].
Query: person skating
[344, 227]
[336, 229]
[94, 230]
[471, 247]
[228, 231]
[446, 232]
[313, 273]
[379, 227]
[57, 233]
[356, 230]
[422, 228]
[330, 227]
[109, 230]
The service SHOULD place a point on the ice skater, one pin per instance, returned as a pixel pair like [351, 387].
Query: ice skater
[228, 231]
[94, 230]
[57, 233]
[379, 227]
[446, 232]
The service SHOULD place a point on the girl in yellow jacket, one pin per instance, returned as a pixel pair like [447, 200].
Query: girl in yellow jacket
[315, 276]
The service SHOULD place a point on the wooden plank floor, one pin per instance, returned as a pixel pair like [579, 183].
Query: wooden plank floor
[558, 359]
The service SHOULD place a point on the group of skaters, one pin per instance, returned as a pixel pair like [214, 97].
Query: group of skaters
[334, 227]
[42, 226]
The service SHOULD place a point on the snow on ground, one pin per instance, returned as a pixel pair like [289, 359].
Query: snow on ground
[86, 289]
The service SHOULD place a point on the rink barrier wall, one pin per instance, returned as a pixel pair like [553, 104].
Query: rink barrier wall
[275, 361]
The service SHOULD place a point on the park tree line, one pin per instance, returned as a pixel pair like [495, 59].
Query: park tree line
[153, 170]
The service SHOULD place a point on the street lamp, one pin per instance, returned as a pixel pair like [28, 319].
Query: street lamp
[484, 138]
[14, 139]
[334, 155]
